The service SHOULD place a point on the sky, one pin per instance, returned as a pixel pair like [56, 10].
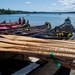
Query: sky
[39, 5]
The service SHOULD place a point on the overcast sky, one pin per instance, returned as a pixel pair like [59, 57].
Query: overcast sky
[39, 5]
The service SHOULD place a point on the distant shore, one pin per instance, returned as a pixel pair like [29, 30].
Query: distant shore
[4, 11]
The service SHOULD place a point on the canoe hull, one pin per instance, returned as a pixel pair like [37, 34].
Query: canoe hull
[24, 30]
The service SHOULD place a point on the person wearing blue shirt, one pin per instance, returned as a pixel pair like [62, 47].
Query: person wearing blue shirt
[23, 21]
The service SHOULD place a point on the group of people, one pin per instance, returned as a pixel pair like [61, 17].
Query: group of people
[23, 22]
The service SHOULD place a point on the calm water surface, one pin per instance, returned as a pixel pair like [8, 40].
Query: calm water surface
[40, 19]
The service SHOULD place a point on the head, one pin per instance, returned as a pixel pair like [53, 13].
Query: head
[19, 18]
[23, 17]
[27, 20]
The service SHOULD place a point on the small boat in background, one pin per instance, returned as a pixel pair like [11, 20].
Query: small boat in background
[59, 13]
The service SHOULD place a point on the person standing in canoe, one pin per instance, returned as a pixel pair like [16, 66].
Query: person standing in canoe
[23, 21]
[28, 25]
[20, 21]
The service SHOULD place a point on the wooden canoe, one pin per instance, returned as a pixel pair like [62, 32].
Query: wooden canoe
[24, 30]
[63, 31]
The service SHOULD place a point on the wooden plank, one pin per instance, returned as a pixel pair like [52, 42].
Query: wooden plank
[39, 47]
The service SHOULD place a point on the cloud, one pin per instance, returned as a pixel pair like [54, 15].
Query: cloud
[68, 5]
[73, 3]
[66, 2]
[28, 2]
[54, 4]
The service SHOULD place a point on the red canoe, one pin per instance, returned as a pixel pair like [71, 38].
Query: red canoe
[8, 25]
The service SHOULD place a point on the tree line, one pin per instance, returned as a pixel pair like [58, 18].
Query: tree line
[8, 11]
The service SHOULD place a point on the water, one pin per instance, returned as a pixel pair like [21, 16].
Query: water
[40, 19]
